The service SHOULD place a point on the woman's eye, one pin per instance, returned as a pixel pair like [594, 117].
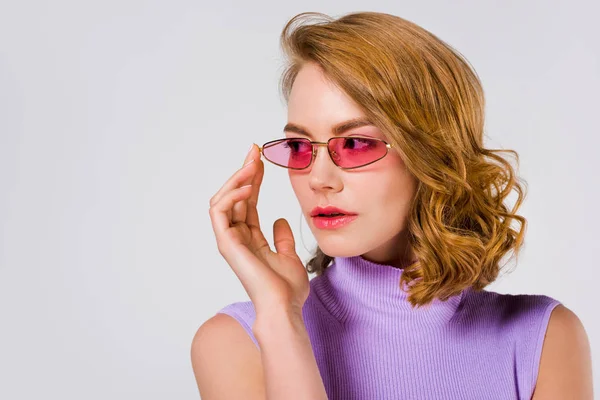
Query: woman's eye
[357, 143]
[296, 145]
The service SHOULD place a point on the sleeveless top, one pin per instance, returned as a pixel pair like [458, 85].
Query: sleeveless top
[369, 343]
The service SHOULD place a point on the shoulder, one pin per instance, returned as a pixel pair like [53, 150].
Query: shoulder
[565, 367]
[217, 329]
[220, 350]
[226, 328]
[244, 313]
[551, 347]
[517, 312]
[512, 309]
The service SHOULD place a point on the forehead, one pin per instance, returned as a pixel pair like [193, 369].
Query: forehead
[317, 103]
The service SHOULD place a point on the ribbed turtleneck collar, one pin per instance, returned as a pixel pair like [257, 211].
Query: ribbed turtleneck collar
[355, 289]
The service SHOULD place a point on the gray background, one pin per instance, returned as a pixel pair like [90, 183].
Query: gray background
[120, 119]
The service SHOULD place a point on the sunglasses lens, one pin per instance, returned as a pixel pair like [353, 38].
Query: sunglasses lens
[289, 153]
[347, 152]
[351, 152]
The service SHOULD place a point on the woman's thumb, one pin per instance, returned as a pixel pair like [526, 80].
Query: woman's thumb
[283, 237]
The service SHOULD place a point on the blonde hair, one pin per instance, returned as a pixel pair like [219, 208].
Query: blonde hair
[429, 103]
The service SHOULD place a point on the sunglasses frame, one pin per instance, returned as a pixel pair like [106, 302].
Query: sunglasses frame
[315, 145]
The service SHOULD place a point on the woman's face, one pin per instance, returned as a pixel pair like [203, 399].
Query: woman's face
[379, 193]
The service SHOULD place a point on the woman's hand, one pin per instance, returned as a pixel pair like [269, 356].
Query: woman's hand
[271, 279]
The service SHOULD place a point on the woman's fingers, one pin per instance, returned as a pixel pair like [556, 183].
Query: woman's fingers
[219, 211]
[252, 202]
[239, 209]
[259, 242]
[229, 206]
[233, 182]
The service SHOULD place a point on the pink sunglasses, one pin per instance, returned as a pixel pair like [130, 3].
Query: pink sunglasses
[346, 152]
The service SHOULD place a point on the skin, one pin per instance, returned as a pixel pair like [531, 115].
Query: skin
[380, 193]
[566, 363]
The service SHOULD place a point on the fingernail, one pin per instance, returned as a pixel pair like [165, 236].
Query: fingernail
[249, 162]
[251, 146]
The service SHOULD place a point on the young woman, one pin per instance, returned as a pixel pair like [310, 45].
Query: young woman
[384, 149]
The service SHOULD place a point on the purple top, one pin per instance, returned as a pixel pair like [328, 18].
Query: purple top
[370, 343]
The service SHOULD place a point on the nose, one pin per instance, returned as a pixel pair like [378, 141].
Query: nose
[324, 174]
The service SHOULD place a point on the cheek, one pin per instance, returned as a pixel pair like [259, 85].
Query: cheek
[387, 194]
[374, 196]
[299, 186]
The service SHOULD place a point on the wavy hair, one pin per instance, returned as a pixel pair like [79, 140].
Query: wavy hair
[429, 103]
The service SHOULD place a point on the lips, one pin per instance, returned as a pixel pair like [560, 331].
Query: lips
[329, 210]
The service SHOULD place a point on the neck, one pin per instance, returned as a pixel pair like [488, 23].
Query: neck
[396, 252]
[357, 289]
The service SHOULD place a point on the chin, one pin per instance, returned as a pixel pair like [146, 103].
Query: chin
[339, 247]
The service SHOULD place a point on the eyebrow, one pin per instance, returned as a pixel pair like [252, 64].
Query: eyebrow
[336, 130]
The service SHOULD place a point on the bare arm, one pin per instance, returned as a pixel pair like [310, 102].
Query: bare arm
[289, 364]
[227, 365]
[225, 361]
[565, 366]
[274, 281]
